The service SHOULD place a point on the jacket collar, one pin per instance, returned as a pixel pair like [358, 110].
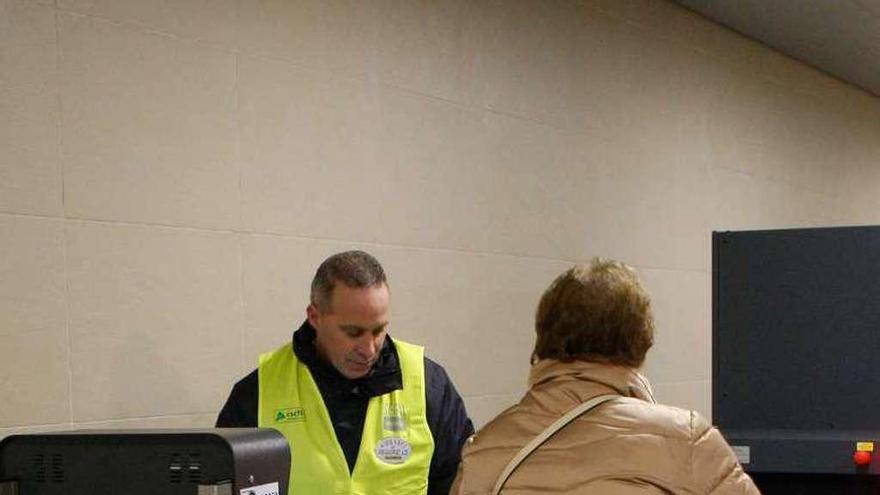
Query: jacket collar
[384, 376]
[616, 379]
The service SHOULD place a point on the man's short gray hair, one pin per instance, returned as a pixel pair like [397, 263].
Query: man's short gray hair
[354, 269]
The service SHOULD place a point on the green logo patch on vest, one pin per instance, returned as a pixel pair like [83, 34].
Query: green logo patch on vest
[290, 415]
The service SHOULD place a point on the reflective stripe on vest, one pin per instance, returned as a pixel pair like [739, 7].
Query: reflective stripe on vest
[396, 445]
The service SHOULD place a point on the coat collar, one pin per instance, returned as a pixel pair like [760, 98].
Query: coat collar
[615, 379]
[384, 377]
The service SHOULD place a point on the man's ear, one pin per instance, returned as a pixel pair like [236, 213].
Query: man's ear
[314, 315]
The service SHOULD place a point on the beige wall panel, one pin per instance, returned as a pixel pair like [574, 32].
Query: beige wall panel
[34, 364]
[34, 382]
[439, 165]
[309, 159]
[860, 209]
[657, 77]
[32, 283]
[148, 127]
[211, 21]
[160, 422]
[859, 166]
[654, 223]
[28, 46]
[407, 170]
[681, 301]
[603, 59]
[543, 189]
[525, 67]
[155, 316]
[30, 180]
[338, 159]
[745, 202]
[337, 36]
[431, 47]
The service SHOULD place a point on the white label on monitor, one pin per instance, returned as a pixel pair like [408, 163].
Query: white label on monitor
[743, 453]
[267, 489]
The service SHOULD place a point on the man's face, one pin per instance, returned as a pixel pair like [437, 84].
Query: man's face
[352, 332]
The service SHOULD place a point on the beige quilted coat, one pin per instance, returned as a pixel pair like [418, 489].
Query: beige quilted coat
[625, 447]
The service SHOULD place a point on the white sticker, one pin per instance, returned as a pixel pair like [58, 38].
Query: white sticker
[393, 450]
[267, 489]
[743, 453]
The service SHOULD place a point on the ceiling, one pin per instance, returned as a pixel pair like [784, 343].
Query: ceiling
[840, 37]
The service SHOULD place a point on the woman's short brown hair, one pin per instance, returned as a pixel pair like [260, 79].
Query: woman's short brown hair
[597, 313]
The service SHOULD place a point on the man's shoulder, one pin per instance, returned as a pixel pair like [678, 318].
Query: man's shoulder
[240, 409]
[245, 390]
[435, 374]
[251, 379]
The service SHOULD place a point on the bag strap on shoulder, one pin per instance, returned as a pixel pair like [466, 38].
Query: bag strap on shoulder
[545, 435]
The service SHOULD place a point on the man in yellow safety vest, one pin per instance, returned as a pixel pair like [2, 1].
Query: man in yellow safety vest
[364, 413]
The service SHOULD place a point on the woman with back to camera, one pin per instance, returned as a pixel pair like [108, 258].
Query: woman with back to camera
[588, 422]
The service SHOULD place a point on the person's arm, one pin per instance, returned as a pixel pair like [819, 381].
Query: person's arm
[714, 465]
[240, 410]
[450, 427]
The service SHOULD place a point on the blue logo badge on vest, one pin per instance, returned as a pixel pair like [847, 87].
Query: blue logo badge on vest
[393, 450]
[394, 417]
[290, 415]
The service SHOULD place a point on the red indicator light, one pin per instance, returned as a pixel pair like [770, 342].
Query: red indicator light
[862, 458]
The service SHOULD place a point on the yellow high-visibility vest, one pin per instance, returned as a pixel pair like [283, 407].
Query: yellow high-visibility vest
[396, 445]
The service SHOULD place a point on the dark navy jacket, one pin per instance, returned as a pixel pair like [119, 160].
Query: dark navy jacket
[346, 401]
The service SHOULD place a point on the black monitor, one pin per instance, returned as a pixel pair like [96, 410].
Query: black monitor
[225, 461]
[796, 342]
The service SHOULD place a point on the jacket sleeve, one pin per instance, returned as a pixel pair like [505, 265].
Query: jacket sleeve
[713, 463]
[450, 427]
[240, 410]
